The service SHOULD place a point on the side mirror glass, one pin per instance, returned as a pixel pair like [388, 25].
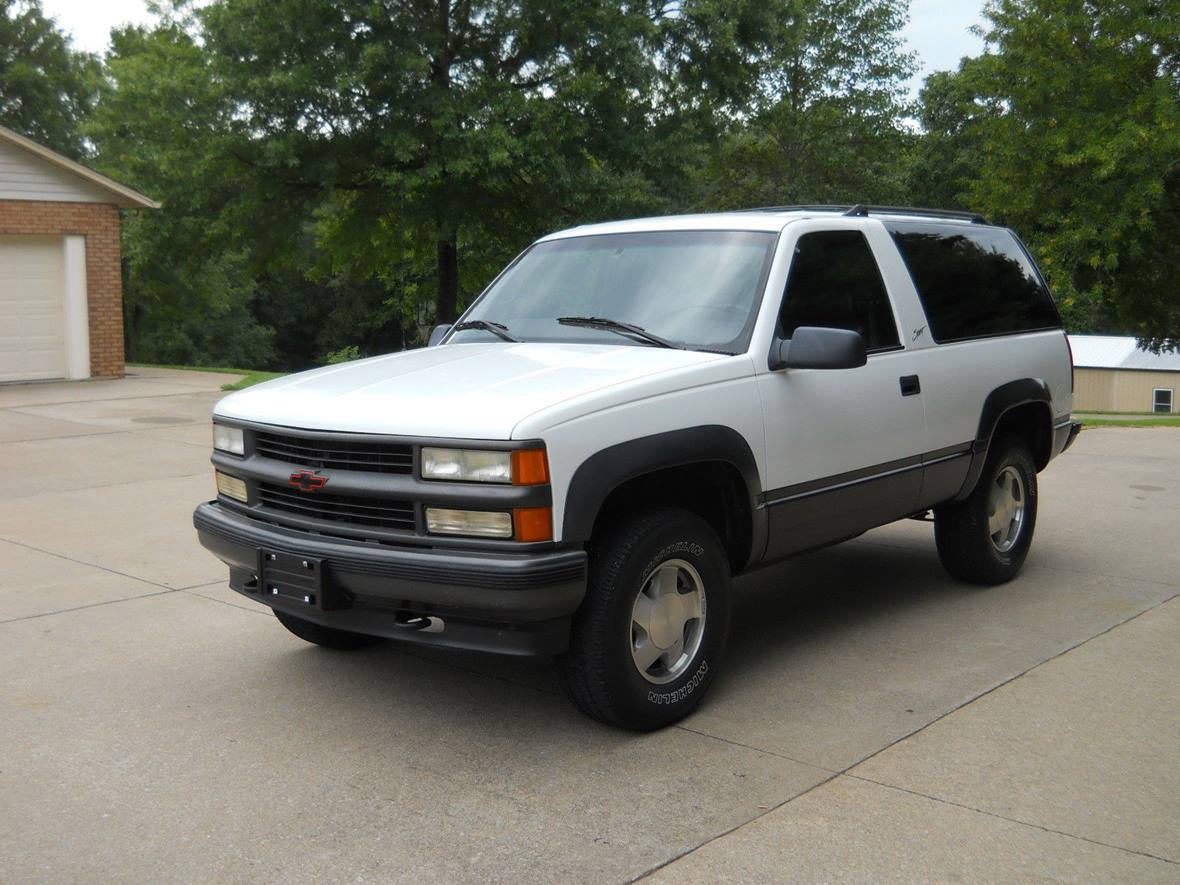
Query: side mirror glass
[814, 347]
[438, 333]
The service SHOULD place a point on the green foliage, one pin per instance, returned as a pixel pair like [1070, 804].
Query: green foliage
[416, 130]
[1068, 129]
[343, 355]
[252, 378]
[46, 88]
[1144, 422]
[947, 158]
[340, 174]
[165, 126]
[823, 121]
[337, 175]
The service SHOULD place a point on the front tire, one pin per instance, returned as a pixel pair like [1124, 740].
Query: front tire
[985, 538]
[328, 637]
[649, 636]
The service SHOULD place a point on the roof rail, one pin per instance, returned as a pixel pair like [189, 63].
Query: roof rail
[805, 207]
[863, 210]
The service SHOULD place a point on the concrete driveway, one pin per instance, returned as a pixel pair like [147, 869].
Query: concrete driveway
[875, 720]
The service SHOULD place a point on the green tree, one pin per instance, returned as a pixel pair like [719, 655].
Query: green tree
[1073, 123]
[336, 173]
[165, 126]
[439, 127]
[947, 157]
[46, 87]
[824, 101]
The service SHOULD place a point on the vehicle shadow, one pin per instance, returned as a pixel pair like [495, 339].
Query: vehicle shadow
[779, 614]
[832, 591]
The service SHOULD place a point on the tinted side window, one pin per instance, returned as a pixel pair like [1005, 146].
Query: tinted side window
[834, 282]
[973, 281]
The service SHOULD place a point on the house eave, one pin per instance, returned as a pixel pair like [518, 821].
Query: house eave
[125, 197]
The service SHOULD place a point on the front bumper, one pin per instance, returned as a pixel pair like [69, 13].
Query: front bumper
[509, 603]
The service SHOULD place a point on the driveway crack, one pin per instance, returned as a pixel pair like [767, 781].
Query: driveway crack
[104, 568]
[910, 734]
[76, 608]
[1014, 820]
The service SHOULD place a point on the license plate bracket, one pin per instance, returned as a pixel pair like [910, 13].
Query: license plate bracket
[292, 578]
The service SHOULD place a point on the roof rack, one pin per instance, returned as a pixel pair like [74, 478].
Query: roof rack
[802, 207]
[864, 210]
[860, 209]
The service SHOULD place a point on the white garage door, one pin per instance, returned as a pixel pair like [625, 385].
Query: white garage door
[32, 312]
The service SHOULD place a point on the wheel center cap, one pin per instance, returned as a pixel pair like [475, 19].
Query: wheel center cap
[667, 620]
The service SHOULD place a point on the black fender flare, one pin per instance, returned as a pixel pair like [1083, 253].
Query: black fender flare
[606, 470]
[1000, 401]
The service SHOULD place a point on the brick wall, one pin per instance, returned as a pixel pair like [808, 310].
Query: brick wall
[99, 223]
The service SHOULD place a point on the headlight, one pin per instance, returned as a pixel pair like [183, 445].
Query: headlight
[465, 465]
[229, 439]
[231, 487]
[473, 523]
[522, 467]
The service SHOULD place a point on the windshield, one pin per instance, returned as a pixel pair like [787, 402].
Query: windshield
[697, 289]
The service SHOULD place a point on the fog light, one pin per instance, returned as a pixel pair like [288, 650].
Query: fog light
[231, 486]
[474, 523]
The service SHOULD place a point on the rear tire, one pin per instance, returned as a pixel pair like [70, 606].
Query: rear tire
[328, 637]
[644, 663]
[985, 538]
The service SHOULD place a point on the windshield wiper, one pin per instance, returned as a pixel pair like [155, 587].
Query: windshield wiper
[620, 328]
[497, 329]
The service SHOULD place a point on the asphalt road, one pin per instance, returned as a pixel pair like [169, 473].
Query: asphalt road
[875, 720]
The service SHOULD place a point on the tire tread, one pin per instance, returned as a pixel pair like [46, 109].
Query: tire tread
[960, 529]
[585, 671]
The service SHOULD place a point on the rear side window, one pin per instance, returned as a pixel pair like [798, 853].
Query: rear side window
[835, 282]
[974, 282]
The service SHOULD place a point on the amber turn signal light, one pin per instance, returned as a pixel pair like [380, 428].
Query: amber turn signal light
[529, 467]
[533, 523]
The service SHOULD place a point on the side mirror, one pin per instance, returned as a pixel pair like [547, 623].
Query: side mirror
[438, 333]
[813, 347]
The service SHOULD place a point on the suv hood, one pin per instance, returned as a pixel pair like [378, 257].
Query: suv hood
[471, 391]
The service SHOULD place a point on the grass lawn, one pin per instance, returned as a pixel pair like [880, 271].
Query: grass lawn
[1099, 412]
[253, 376]
[1104, 422]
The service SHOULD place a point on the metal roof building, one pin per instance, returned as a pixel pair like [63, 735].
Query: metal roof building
[1113, 374]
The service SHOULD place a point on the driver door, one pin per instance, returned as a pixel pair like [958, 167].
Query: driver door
[843, 447]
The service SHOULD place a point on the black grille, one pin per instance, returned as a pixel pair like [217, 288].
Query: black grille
[375, 457]
[377, 513]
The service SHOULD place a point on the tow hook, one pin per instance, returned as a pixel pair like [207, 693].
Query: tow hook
[413, 621]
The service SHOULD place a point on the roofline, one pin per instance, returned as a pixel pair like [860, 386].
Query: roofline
[1124, 369]
[131, 199]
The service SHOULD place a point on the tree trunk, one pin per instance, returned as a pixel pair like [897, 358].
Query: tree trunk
[447, 302]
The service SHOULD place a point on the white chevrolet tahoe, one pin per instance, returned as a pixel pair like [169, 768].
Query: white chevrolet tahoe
[633, 413]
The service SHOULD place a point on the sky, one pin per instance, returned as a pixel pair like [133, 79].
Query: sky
[937, 30]
[89, 22]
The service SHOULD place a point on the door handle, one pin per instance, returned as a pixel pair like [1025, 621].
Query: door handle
[910, 385]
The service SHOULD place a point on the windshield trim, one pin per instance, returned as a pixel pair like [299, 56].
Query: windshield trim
[741, 343]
